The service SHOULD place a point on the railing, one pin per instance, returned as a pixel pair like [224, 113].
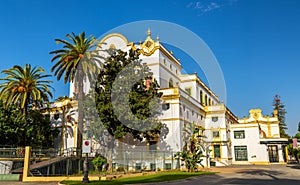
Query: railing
[17, 152]
[123, 161]
[37, 153]
[143, 160]
[55, 162]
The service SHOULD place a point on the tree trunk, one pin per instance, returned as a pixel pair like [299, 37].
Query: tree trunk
[109, 159]
[111, 145]
[63, 131]
[80, 106]
[25, 112]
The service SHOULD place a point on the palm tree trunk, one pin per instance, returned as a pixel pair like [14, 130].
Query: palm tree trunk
[25, 124]
[63, 130]
[80, 106]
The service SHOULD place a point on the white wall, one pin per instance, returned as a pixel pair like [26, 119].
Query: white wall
[256, 151]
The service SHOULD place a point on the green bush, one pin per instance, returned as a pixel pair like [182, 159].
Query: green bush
[98, 162]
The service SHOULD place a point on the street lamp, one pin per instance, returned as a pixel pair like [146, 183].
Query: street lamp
[86, 143]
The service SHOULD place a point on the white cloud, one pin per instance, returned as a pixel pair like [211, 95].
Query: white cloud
[205, 6]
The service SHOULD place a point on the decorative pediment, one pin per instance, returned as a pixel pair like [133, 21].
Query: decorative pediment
[256, 116]
[255, 113]
[148, 47]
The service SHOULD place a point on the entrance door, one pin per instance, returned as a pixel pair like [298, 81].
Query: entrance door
[273, 153]
[217, 151]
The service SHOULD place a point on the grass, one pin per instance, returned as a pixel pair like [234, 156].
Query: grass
[160, 177]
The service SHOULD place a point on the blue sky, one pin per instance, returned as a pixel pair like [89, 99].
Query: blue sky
[256, 42]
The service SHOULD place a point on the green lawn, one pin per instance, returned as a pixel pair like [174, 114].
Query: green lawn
[160, 177]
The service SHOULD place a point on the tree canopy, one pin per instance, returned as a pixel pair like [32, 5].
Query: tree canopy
[24, 87]
[125, 103]
[37, 128]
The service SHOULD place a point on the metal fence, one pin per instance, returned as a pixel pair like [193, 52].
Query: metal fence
[53, 162]
[144, 160]
[12, 152]
[123, 161]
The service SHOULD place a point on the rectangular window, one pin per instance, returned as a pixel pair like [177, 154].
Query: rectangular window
[214, 119]
[217, 151]
[201, 97]
[138, 166]
[188, 91]
[216, 134]
[152, 166]
[168, 166]
[239, 134]
[240, 153]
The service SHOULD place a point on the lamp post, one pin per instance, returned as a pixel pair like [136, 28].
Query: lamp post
[86, 161]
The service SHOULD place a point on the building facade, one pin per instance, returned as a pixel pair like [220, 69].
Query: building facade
[191, 103]
[256, 140]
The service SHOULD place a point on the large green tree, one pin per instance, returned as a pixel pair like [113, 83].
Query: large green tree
[25, 87]
[11, 125]
[38, 131]
[127, 98]
[279, 108]
[77, 61]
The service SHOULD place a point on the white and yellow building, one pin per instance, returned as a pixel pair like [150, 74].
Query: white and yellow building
[63, 116]
[190, 102]
[256, 140]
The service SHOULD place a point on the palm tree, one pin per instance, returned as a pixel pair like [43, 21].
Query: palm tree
[24, 87]
[76, 62]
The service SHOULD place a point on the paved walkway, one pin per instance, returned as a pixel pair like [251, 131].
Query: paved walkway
[258, 175]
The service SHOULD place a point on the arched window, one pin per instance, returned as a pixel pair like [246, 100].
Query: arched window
[201, 97]
[171, 85]
[209, 102]
[205, 99]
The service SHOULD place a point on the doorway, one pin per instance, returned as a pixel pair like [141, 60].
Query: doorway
[273, 153]
[217, 151]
